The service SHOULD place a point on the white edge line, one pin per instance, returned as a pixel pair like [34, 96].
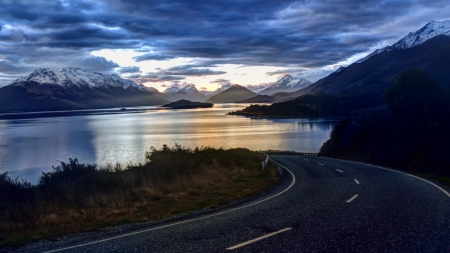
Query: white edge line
[258, 239]
[186, 221]
[356, 181]
[395, 171]
[352, 198]
[444, 191]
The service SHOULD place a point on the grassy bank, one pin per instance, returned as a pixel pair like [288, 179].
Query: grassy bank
[75, 197]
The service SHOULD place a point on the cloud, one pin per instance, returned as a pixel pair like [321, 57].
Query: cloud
[180, 72]
[10, 72]
[157, 57]
[170, 78]
[193, 72]
[130, 69]
[7, 68]
[291, 33]
[134, 76]
[96, 63]
[155, 78]
[292, 71]
[220, 81]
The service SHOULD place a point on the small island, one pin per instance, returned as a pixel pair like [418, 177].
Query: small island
[186, 104]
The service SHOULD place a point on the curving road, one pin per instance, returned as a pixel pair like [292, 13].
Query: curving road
[322, 205]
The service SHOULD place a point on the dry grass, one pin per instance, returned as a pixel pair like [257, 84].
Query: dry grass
[76, 199]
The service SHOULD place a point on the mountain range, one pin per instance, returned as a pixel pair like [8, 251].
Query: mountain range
[73, 89]
[188, 92]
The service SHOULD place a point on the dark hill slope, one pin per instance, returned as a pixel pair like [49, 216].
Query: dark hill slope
[375, 74]
[235, 93]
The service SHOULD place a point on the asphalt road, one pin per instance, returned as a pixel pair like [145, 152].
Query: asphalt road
[322, 205]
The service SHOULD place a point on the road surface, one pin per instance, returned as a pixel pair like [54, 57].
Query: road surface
[321, 205]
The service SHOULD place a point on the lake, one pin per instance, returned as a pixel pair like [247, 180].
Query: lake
[33, 142]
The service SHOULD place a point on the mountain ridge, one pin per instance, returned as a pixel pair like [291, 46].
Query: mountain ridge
[286, 84]
[429, 31]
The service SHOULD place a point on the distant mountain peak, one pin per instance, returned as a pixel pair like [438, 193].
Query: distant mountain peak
[223, 87]
[430, 30]
[258, 87]
[286, 78]
[233, 93]
[189, 88]
[286, 84]
[187, 91]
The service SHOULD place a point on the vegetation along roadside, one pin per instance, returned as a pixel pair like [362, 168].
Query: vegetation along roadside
[412, 136]
[75, 197]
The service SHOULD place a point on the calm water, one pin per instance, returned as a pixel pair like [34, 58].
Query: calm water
[31, 143]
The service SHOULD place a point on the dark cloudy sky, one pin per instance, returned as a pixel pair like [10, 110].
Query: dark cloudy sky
[202, 42]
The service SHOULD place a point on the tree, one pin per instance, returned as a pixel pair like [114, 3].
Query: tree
[419, 107]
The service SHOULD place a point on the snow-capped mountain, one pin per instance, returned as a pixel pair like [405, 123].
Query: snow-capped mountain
[171, 90]
[73, 89]
[77, 77]
[286, 84]
[188, 92]
[430, 30]
[257, 87]
[189, 89]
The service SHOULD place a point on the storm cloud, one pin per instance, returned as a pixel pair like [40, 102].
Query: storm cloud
[291, 34]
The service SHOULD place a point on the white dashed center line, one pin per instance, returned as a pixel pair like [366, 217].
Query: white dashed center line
[340, 171]
[356, 181]
[321, 163]
[352, 198]
[258, 239]
[306, 159]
